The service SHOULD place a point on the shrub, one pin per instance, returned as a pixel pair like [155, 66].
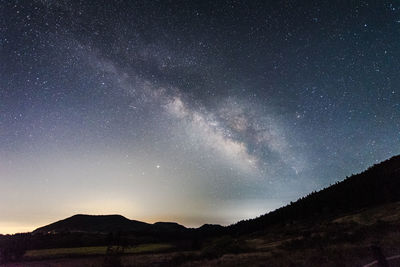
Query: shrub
[224, 245]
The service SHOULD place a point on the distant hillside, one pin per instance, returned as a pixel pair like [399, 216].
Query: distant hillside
[378, 185]
[106, 224]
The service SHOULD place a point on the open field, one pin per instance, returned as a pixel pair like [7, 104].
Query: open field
[91, 251]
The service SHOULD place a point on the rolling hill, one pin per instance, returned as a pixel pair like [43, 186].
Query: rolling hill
[105, 224]
[377, 185]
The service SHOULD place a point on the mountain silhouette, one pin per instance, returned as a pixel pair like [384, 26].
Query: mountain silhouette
[377, 185]
[105, 224]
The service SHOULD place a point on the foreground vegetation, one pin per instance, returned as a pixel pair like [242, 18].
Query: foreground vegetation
[90, 251]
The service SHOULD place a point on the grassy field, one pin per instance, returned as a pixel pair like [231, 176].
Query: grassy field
[90, 251]
[59, 252]
[148, 248]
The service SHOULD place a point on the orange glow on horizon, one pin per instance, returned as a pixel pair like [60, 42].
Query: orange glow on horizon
[9, 228]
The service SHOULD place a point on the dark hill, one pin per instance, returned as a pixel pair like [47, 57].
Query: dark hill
[168, 226]
[105, 224]
[378, 185]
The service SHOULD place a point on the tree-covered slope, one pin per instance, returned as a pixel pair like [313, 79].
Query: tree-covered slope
[377, 185]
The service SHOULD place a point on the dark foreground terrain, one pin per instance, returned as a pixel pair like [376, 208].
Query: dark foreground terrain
[355, 222]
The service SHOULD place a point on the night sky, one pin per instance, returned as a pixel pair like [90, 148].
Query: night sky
[190, 111]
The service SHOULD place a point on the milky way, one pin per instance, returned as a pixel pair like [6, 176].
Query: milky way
[190, 111]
